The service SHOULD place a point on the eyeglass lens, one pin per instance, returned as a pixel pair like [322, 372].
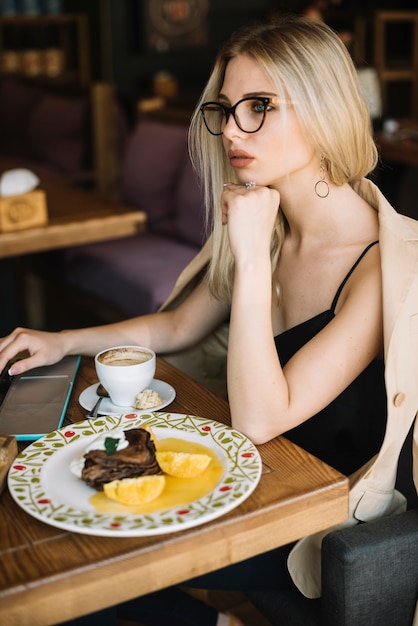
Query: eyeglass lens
[249, 115]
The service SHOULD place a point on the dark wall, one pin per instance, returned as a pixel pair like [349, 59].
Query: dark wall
[134, 61]
[121, 51]
[94, 11]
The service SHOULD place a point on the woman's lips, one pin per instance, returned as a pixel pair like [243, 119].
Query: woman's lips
[239, 158]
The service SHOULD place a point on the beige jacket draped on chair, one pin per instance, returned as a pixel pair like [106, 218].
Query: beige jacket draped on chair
[372, 492]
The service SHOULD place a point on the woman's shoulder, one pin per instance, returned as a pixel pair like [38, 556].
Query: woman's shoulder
[363, 279]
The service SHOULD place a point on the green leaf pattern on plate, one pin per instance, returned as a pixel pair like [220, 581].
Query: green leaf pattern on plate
[240, 458]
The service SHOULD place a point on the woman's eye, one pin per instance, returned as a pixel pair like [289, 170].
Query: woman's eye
[259, 107]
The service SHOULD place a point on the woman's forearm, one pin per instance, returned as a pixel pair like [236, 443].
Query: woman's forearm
[255, 378]
[153, 331]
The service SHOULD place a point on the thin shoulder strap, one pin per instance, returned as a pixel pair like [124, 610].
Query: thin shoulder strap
[341, 287]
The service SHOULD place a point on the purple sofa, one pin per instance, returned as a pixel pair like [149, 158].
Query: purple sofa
[49, 132]
[44, 130]
[135, 275]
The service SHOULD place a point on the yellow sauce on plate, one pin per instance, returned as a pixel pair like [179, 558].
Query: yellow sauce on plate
[177, 491]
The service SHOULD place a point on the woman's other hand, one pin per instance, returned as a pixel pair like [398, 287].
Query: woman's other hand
[44, 348]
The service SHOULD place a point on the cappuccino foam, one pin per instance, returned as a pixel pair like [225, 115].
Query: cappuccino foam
[124, 358]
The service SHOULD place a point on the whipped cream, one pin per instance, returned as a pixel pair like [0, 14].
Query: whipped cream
[77, 464]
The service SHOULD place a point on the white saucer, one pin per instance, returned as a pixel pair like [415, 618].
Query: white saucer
[88, 399]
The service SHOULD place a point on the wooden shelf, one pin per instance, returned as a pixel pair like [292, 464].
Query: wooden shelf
[63, 18]
[70, 44]
[398, 64]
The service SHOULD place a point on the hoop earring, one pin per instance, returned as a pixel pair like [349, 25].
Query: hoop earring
[321, 186]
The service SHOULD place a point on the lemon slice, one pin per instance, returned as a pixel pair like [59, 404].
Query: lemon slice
[182, 464]
[137, 490]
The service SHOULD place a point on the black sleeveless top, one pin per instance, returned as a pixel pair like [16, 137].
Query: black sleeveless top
[350, 430]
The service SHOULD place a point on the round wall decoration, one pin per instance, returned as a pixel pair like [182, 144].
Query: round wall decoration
[174, 18]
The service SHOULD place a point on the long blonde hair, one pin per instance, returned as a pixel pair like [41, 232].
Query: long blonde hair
[308, 64]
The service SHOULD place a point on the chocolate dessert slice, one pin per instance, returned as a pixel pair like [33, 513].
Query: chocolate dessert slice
[137, 459]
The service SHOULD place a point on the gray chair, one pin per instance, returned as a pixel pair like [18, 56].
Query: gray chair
[369, 578]
[369, 573]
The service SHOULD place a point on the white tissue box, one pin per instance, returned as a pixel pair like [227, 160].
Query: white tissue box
[22, 211]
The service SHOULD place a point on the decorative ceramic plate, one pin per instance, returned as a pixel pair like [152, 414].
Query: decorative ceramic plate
[89, 397]
[40, 480]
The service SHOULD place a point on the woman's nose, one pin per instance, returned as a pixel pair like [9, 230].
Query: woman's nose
[231, 128]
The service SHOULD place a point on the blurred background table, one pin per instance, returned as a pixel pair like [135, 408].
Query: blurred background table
[76, 216]
[396, 172]
[400, 146]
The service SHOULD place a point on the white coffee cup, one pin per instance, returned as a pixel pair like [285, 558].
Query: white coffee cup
[125, 371]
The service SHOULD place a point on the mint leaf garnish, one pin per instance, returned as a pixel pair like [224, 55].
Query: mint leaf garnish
[111, 445]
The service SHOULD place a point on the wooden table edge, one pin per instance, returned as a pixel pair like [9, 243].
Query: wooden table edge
[137, 573]
[66, 234]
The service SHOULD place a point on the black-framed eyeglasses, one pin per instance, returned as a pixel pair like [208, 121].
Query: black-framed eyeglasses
[249, 114]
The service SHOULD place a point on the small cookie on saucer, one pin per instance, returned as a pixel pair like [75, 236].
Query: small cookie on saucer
[147, 399]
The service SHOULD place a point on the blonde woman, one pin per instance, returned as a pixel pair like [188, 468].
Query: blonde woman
[282, 141]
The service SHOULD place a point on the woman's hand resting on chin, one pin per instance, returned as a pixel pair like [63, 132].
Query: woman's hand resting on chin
[250, 215]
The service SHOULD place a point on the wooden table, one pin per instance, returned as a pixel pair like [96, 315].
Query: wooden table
[401, 146]
[48, 575]
[76, 217]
